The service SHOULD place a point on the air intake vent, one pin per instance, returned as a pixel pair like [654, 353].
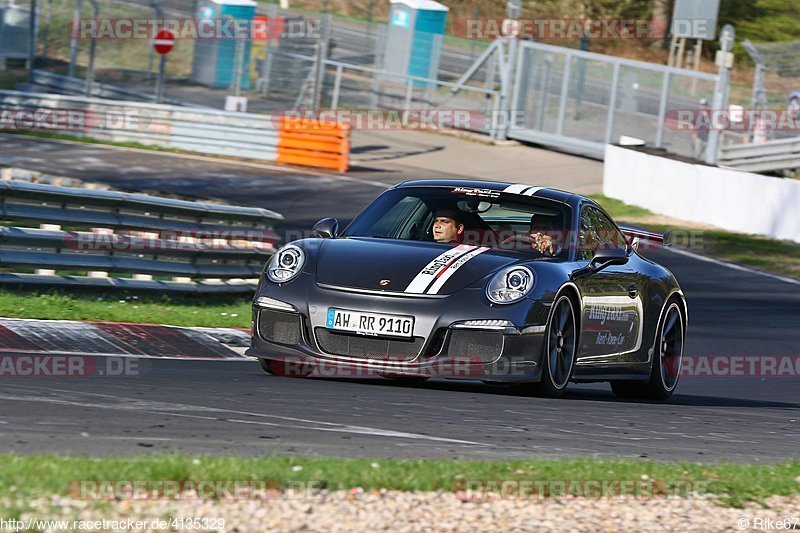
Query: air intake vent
[379, 348]
[279, 326]
[475, 346]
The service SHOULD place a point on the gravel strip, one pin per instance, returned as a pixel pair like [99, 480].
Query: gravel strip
[395, 511]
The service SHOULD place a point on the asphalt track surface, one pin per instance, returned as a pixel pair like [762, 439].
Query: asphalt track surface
[235, 408]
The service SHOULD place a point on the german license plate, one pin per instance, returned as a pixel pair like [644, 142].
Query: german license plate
[370, 323]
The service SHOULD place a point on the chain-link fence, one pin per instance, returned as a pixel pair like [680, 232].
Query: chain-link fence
[278, 73]
[587, 100]
[776, 84]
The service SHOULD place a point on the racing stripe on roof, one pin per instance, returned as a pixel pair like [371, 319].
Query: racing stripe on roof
[427, 275]
[532, 191]
[516, 189]
[525, 190]
[442, 277]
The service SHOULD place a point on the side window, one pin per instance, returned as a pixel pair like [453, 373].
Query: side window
[596, 231]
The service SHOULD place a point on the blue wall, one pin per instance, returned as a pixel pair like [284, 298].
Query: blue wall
[428, 25]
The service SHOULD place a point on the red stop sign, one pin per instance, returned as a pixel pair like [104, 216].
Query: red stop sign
[164, 42]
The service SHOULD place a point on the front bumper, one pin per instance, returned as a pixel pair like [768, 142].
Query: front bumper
[296, 335]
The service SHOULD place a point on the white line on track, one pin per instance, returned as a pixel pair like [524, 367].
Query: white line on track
[164, 408]
[733, 266]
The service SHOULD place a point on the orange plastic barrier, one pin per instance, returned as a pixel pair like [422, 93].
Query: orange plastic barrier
[314, 143]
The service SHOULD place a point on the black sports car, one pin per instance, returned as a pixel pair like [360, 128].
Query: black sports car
[474, 280]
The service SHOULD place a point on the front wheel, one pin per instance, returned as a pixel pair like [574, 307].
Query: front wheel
[559, 350]
[667, 358]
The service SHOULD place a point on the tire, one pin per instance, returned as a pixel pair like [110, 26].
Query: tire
[289, 369]
[560, 349]
[667, 357]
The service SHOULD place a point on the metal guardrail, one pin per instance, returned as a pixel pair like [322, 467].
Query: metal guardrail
[208, 131]
[192, 246]
[769, 156]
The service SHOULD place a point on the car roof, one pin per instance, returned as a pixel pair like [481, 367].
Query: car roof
[509, 188]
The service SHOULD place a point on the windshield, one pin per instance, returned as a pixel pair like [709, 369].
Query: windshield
[462, 215]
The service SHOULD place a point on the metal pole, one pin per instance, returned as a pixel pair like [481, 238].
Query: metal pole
[73, 42]
[698, 52]
[544, 91]
[662, 110]
[162, 68]
[508, 66]
[238, 62]
[272, 14]
[720, 100]
[159, 15]
[2, 25]
[562, 109]
[32, 41]
[612, 104]
[92, 51]
[337, 84]
[322, 52]
[47, 14]
[409, 93]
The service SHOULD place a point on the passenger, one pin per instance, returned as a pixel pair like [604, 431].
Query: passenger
[448, 226]
[540, 237]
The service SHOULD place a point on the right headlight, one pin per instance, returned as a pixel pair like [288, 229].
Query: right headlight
[286, 264]
[510, 285]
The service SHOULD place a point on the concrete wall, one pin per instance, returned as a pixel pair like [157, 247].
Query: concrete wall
[730, 199]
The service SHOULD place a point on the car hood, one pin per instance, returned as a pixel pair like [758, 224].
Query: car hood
[405, 266]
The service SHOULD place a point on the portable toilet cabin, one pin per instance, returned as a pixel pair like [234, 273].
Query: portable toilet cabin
[215, 58]
[414, 37]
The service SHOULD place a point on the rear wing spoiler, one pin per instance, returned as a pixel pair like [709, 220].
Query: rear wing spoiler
[636, 235]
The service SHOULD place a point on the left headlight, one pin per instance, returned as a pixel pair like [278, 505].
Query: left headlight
[286, 264]
[510, 285]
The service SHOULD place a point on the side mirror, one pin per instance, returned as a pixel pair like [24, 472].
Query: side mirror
[327, 228]
[609, 255]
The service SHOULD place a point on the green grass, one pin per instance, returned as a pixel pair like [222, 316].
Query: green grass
[733, 483]
[90, 140]
[782, 257]
[208, 311]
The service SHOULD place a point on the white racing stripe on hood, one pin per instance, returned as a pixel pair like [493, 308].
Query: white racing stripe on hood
[428, 274]
[455, 265]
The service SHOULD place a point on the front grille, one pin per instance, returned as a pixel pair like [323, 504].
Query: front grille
[279, 326]
[475, 345]
[380, 348]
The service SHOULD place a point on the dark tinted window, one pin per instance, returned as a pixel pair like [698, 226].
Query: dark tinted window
[596, 230]
[490, 218]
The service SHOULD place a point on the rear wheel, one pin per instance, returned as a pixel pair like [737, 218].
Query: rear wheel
[667, 358]
[559, 350]
[291, 369]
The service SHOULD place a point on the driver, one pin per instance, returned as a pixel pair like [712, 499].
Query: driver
[448, 225]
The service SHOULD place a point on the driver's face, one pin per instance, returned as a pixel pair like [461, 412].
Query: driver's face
[445, 229]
